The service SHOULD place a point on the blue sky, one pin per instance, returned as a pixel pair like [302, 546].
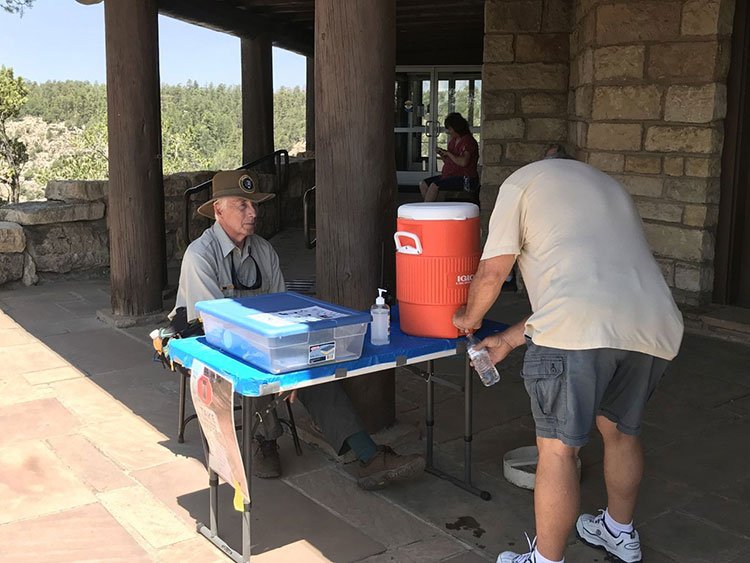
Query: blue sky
[64, 40]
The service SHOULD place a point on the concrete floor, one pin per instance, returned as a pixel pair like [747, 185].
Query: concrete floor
[90, 468]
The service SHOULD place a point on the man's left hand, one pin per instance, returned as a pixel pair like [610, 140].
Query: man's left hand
[497, 346]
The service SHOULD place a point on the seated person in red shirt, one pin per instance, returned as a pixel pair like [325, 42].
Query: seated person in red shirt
[459, 161]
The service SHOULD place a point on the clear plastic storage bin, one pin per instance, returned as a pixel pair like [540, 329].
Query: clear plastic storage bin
[282, 332]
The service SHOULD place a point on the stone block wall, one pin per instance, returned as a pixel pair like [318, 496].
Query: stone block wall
[639, 91]
[68, 233]
[646, 105]
[524, 85]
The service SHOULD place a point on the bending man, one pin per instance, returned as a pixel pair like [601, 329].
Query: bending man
[603, 330]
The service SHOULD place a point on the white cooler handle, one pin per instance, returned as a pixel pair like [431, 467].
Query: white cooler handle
[416, 249]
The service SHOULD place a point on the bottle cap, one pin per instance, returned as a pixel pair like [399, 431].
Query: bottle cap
[380, 300]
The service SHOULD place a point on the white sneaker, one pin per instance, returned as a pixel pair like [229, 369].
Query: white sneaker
[593, 531]
[513, 557]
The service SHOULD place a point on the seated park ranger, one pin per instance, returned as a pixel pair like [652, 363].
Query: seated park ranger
[230, 260]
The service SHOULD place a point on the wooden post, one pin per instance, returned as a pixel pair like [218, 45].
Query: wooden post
[136, 192]
[257, 98]
[355, 172]
[310, 105]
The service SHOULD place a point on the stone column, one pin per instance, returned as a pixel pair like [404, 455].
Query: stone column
[136, 195]
[257, 98]
[355, 62]
[524, 86]
[648, 97]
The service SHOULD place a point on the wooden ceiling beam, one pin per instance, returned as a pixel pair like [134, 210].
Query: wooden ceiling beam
[242, 23]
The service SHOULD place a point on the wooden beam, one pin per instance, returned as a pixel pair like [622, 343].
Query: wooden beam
[135, 211]
[310, 105]
[355, 171]
[257, 98]
[242, 23]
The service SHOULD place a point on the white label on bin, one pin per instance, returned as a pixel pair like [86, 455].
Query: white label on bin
[295, 316]
[270, 319]
[325, 352]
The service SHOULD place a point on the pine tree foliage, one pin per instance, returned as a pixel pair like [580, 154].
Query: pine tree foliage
[13, 153]
[201, 128]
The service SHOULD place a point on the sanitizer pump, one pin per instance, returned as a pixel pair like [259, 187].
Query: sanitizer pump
[380, 331]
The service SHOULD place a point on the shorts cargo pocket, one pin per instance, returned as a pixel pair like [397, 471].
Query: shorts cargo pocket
[545, 380]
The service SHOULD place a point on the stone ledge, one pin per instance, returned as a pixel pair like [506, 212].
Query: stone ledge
[735, 319]
[49, 212]
[731, 324]
[71, 191]
[12, 237]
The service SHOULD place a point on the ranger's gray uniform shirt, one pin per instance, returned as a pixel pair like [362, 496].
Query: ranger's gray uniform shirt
[206, 271]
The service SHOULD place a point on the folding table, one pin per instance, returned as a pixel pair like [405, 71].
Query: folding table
[249, 381]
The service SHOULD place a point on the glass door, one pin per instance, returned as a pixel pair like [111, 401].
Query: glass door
[424, 96]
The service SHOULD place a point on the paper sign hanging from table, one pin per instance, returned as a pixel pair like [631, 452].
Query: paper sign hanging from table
[213, 399]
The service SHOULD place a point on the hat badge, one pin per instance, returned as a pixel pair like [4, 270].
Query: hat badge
[246, 184]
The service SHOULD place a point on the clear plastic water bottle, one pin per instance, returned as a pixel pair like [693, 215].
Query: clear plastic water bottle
[482, 363]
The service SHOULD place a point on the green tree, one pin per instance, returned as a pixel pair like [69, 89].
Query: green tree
[12, 150]
[89, 159]
[288, 117]
[16, 6]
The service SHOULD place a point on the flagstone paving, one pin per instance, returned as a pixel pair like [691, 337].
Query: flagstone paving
[90, 468]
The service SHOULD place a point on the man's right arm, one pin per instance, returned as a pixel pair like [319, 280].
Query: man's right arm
[198, 282]
[484, 291]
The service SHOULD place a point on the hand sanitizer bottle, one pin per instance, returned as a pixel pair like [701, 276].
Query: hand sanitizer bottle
[380, 331]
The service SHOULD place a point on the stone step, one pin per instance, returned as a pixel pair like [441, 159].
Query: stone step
[736, 319]
[49, 212]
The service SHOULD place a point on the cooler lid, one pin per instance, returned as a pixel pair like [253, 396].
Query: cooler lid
[281, 314]
[438, 211]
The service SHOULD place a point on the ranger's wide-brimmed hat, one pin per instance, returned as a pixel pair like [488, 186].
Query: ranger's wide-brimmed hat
[234, 183]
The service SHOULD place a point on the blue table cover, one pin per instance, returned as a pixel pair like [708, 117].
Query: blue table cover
[254, 382]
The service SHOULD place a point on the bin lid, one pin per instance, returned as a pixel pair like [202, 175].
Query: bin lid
[281, 314]
[438, 211]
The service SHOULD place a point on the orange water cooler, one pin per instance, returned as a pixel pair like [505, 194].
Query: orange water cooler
[437, 253]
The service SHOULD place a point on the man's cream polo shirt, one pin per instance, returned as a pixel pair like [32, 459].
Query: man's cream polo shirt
[590, 274]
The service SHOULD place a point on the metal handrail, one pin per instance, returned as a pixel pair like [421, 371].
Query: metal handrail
[280, 160]
[310, 241]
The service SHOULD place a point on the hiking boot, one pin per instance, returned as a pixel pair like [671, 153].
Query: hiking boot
[388, 466]
[266, 461]
[593, 531]
[513, 557]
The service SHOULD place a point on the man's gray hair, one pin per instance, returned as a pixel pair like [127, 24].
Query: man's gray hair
[556, 151]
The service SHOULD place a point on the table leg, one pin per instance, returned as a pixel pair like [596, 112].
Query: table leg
[430, 418]
[247, 454]
[181, 408]
[213, 501]
[212, 532]
[430, 468]
[182, 422]
[468, 419]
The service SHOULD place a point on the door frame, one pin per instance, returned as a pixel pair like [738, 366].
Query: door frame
[432, 128]
[735, 168]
